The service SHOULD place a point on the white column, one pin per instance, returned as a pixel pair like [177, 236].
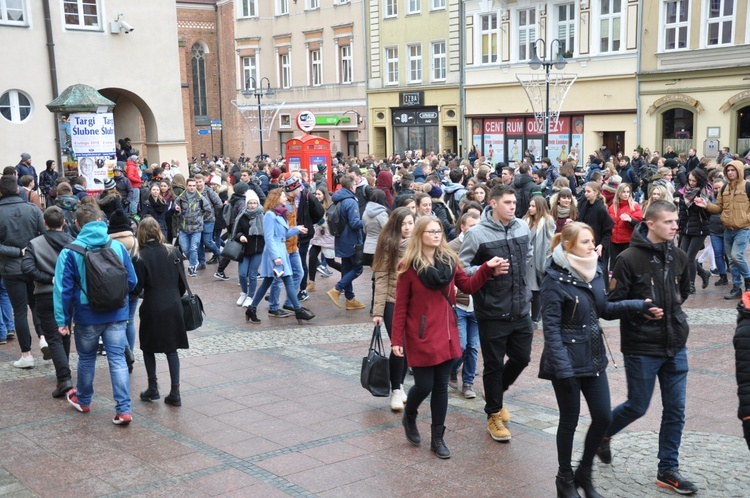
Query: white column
[278, 67]
[338, 60]
[307, 62]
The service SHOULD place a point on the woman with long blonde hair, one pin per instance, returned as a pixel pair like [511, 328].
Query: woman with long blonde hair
[626, 214]
[425, 325]
[542, 227]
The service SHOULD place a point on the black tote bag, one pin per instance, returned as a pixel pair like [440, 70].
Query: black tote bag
[375, 374]
[192, 306]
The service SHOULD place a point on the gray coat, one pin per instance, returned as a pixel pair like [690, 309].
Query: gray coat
[374, 220]
[19, 223]
[191, 214]
[212, 201]
[41, 257]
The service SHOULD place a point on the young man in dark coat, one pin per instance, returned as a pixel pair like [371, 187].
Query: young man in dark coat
[742, 363]
[654, 268]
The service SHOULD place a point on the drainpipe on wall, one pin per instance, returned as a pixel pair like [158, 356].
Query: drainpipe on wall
[366, 30]
[639, 51]
[218, 67]
[462, 80]
[52, 76]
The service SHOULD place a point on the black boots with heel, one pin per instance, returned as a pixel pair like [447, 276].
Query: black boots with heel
[174, 396]
[437, 445]
[566, 486]
[152, 393]
[583, 480]
[410, 428]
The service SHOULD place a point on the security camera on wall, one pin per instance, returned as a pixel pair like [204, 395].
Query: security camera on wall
[126, 28]
[120, 25]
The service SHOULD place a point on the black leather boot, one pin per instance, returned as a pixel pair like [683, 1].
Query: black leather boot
[722, 280]
[251, 314]
[152, 393]
[410, 428]
[583, 480]
[174, 396]
[735, 293]
[437, 444]
[303, 314]
[565, 484]
[705, 276]
[747, 285]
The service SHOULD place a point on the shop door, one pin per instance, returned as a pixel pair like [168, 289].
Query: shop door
[614, 140]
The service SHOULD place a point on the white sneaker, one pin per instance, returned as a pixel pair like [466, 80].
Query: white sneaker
[248, 301]
[241, 300]
[397, 400]
[24, 362]
[403, 393]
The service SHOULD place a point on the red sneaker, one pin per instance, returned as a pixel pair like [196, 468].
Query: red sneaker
[73, 400]
[122, 419]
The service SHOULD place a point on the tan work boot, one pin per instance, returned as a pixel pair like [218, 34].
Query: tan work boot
[496, 428]
[504, 415]
[353, 304]
[335, 296]
[311, 286]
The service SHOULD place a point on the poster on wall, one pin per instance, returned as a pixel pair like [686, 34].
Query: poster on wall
[95, 169]
[576, 138]
[494, 140]
[534, 148]
[514, 132]
[476, 135]
[92, 138]
[558, 143]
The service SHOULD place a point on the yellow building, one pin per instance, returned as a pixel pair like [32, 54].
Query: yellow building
[599, 41]
[694, 82]
[413, 76]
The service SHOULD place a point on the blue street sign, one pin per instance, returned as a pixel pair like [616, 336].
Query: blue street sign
[206, 131]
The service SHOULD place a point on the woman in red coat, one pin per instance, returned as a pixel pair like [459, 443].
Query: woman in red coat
[424, 322]
[626, 214]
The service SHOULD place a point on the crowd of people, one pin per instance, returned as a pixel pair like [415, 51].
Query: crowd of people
[466, 257]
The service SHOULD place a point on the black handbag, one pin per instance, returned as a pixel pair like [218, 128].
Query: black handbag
[233, 250]
[358, 258]
[192, 306]
[375, 374]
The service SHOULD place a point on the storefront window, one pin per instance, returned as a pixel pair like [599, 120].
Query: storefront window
[743, 130]
[677, 129]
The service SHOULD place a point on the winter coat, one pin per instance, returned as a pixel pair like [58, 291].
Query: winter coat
[596, 216]
[124, 187]
[363, 193]
[732, 202]
[323, 237]
[23, 170]
[622, 231]
[503, 297]
[126, 238]
[573, 339]
[41, 255]
[658, 272]
[309, 212]
[191, 212]
[440, 211]
[133, 174]
[47, 181]
[693, 220]
[162, 327]
[79, 191]
[406, 192]
[213, 204]
[19, 223]
[70, 288]
[523, 185]
[385, 284]
[541, 239]
[158, 210]
[255, 243]
[374, 219]
[109, 204]
[424, 322]
[352, 233]
[742, 360]
[276, 230]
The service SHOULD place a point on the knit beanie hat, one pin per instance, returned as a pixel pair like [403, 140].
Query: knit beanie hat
[241, 188]
[119, 222]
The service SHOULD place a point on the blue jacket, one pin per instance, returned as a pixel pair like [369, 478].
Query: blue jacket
[571, 308]
[352, 233]
[276, 230]
[72, 305]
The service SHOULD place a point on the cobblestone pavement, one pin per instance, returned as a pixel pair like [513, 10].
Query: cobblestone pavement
[277, 410]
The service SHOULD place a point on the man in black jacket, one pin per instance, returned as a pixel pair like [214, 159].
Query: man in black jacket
[654, 347]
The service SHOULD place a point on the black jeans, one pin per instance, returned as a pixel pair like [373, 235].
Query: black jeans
[314, 262]
[692, 244]
[430, 380]
[173, 360]
[303, 248]
[498, 338]
[596, 392]
[21, 294]
[59, 345]
[396, 364]
[536, 306]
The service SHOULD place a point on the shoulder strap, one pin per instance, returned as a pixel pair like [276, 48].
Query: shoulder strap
[747, 188]
[181, 271]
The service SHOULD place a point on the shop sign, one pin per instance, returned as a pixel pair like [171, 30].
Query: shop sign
[407, 117]
[411, 99]
[306, 121]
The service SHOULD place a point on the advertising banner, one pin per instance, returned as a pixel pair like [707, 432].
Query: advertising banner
[476, 135]
[92, 134]
[494, 140]
[559, 144]
[514, 131]
[576, 139]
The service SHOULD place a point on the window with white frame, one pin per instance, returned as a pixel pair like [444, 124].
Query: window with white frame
[82, 14]
[391, 62]
[316, 68]
[526, 33]
[347, 64]
[15, 106]
[285, 65]
[488, 34]
[248, 8]
[413, 6]
[566, 28]
[249, 70]
[676, 15]
[415, 63]
[312, 4]
[610, 26]
[437, 4]
[282, 7]
[720, 22]
[13, 12]
[438, 61]
[340, 2]
[391, 8]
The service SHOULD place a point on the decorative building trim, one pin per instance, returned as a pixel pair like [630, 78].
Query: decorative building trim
[196, 24]
[678, 98]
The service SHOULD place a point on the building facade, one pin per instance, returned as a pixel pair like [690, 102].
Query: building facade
[413, 76]
[599, 41]
[309, 54]
[694, 78]
[135, 68]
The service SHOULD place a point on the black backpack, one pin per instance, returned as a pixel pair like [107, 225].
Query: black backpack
[450, 200]
[70, 224]
[335, 219]
[106, 277]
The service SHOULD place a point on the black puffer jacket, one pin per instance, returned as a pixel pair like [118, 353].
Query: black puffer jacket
[742, 365]
[597, 217]
[693, 219]
[658, 272]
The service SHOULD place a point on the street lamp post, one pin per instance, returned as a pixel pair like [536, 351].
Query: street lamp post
[547, 61]
[252, 89]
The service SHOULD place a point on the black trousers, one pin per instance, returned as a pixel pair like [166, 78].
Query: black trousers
[21, 294]
[314, 262]
[497, 339]
[692, 244]
[396, 364]
[173, 360]
[59, 345]
[430, 380]
[304, 247]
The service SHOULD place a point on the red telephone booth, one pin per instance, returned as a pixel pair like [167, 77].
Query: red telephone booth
[305, 153]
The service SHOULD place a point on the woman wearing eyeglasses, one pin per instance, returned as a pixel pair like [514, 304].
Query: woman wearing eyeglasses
[424, 322]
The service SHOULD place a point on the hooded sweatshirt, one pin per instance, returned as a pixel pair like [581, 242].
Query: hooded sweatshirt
[374, 219]
[41, 256]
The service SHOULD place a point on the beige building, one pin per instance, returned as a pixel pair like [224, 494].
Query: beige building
[694, 78]
[310, 54]
[414, 75]
[136, 68]
[598, 39]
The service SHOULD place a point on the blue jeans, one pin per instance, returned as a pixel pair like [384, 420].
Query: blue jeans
[735, 243]
[135, 200]
[130, 330]
[248, 273]
[6, 313]
[87, 343]
[207, 240]
[189, 243]
[641, 372]
[349, 273]
[297, 272]
[717, 241]
[468, 335]
[291, 293]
